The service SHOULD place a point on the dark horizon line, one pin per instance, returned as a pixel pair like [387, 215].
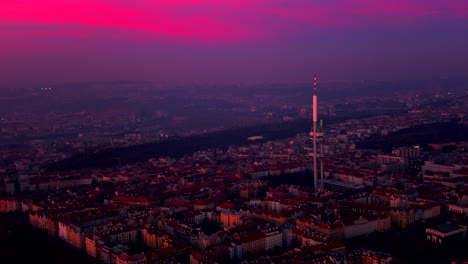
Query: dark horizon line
[22, 85]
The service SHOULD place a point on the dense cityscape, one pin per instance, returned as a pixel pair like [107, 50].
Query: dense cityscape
[234, 132]
[399, 175]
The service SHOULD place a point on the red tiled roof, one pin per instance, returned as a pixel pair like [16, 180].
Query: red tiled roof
[252, 237]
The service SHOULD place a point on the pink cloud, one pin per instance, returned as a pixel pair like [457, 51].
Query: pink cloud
[218, 21]
[120, 16]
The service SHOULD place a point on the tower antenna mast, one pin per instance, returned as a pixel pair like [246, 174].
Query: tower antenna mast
[314, 128]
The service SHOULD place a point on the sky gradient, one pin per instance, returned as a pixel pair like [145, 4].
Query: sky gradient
[231, 40]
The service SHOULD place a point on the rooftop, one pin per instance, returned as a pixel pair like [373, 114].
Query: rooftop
[446, 228]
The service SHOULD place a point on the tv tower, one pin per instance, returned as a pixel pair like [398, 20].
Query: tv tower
[315, 136]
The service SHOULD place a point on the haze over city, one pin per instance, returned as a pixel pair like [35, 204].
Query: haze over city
[234, 132]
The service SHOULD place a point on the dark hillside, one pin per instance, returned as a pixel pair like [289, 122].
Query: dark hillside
[418, 135]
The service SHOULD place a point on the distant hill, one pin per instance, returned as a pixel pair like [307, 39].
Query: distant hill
[179, 146]
[443, 132]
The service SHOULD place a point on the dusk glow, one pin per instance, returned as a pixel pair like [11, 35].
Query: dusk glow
[165, 40]
[233, 131]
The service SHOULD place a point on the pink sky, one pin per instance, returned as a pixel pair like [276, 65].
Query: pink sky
[228, 20]
[36, 28]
